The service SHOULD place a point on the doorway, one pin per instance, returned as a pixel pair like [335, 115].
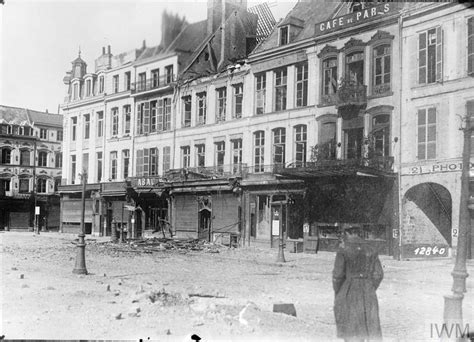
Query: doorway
[204, 217]
[353, 142]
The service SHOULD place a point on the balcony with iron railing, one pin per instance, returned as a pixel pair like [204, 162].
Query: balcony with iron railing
[207, 172]
[351, 97]
[153, 83]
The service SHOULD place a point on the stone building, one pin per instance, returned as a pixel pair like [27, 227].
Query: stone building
[30, 168]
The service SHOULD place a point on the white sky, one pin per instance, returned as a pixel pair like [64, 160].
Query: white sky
[40, 38]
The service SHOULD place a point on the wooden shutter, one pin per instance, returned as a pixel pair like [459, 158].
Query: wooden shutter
[139, 119]
[439, 54]
[146, 117]
[139, 162]
[422, 51]
[160, 115]
[167, 109]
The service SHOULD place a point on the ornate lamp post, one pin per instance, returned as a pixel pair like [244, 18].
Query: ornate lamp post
[80, 267]
[453, 303]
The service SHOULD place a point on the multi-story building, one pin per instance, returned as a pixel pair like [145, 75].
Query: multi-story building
[305, 129]
[437, 92]
[30, 168]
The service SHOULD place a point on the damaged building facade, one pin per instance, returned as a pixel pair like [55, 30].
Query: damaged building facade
[236, 127]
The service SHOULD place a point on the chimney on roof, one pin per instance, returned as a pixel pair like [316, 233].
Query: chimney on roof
[103, 50]
[46, 111]
[171, 27]
[108, 49]
[144, 44]
[215, 9]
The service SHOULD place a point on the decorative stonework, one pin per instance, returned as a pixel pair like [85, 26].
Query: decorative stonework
[327, 50]
[380, 36]
[353, 43]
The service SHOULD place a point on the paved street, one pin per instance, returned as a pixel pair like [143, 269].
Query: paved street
[167, 295]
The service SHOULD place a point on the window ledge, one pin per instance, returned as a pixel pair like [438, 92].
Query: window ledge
[322, 105]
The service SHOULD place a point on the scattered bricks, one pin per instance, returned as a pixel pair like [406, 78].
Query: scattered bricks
[22, 276]
[168, 332]
[118, 316]
[108, 288]
[117, 293]
[14, 269]
[140, 290]
[105, 275]
[134, 312]
[24, 286]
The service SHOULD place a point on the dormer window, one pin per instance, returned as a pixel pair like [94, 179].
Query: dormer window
[284, 35]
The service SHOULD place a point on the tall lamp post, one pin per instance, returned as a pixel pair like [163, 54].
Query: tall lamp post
[80, 267]
[281, 254]
[453, 303]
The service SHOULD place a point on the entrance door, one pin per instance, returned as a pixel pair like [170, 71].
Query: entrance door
[204, 217]
[278, 220]
[354, 138]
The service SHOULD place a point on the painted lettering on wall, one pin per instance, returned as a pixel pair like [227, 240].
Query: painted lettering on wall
[353, 18]
[436, 168]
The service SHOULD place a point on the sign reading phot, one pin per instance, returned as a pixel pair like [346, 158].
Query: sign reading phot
[435, 168]
[353, 19]
[276, 227]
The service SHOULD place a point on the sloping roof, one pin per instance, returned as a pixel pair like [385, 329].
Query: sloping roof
[13, 114]
[308, 12]
[40, 118]
[150, 52]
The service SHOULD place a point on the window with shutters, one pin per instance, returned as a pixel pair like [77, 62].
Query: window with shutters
[279, 139]
[280, 89]
[154, 159]
[153, 116]
[259, 151]
[201, 106]
[302, 84]
[427, 133]
[139, 163]
[300, 145]
[143, 118]
[430, 56]
[261, 81]
[329, 88]
[73, 169]
[470, 46]
[221, 104]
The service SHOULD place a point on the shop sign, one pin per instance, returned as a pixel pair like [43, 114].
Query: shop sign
[435, 168]
[146, 181]
[353, 19]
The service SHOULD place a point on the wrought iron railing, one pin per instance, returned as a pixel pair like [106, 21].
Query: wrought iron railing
[153, 83]
[378, 163]
[219, 171]
[351, 94]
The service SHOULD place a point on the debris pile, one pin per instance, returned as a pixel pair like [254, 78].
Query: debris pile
[150, 245]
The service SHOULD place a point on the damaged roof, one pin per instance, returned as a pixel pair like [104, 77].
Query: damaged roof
[23, 116]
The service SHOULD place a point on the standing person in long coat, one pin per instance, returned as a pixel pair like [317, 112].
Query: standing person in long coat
[356, 276]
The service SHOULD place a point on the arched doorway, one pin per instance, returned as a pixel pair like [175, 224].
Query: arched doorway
[428, 213]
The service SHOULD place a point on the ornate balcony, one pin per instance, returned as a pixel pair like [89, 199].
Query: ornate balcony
[207, 172]
[350, 99]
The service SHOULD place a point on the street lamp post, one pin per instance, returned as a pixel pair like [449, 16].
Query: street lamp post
[453, 303]
[80, 267]
[281, 255]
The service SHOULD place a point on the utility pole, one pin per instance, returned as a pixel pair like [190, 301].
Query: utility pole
[453, 303]
[80, 267]
[281, 255]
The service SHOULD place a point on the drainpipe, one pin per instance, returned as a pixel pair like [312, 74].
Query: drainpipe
[400, 210]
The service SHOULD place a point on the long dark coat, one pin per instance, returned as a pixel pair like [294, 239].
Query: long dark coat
[357, 274]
